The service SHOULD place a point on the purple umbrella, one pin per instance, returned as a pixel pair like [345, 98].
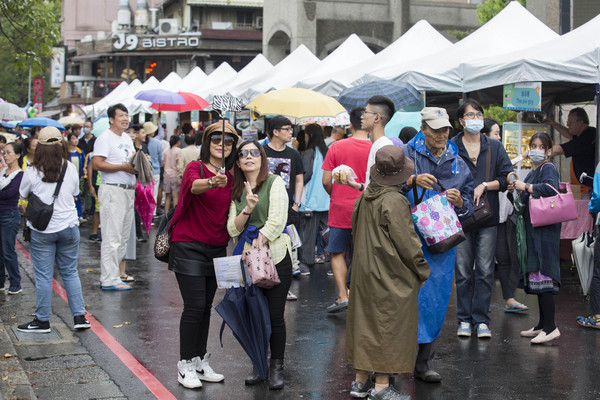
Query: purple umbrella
[160, 96]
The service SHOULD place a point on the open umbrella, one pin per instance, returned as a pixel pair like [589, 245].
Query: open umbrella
[192, 102]
[160, 98]
[69, 120]
[296, 103]
[583, 256]
[10, 111]
[404, 96]
[246, 311]
[41, 121]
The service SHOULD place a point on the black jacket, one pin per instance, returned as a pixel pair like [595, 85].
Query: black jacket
[500, 167]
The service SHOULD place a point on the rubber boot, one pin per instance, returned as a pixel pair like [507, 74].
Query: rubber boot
[276, 376]
[253, 378]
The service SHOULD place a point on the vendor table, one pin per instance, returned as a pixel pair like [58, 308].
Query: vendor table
[583, 223]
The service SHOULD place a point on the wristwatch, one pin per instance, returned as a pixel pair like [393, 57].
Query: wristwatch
[484, 186]
[297, 204]
[210, 182]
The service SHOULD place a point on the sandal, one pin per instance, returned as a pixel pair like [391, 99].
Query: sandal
[127, 278]
[589, 322]
[291, 296]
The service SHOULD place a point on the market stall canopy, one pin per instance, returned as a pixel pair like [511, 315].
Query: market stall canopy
[285, 74]
[223, 74]
[258, 65]
[128, 99]
[93, 110]
[191, 79]
[512, 28]
[573, 57]
[351, 52]
[420, 40]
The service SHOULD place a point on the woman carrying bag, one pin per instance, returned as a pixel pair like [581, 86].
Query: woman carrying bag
[58, 242]
[541, 274]
[199, 234]
[10, 218]
[260, 200]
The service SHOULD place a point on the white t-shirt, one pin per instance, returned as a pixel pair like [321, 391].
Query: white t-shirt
[379, 143]
[117, 150]
[65, 213]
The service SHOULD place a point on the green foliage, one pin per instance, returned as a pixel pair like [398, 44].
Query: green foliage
[28, 31]
[460, 35]
[488, 9]
[500, 114]
[30, 28]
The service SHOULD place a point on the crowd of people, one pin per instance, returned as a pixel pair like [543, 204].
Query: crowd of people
[350, 200]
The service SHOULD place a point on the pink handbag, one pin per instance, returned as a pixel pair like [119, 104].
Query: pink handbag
[260, 265]
[554, 209]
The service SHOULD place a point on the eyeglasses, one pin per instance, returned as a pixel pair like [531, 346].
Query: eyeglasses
[287, 129]
[368, 112]
[253, 152]
[473, 115]
[216, 139]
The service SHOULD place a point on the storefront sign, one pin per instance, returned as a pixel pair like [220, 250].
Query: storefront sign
[526, 96]
[57, 67]
[134, 42]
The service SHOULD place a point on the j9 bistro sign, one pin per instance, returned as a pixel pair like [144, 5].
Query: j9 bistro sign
[133, 42]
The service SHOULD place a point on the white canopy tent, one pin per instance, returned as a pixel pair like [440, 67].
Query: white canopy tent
[572, 57]
[191, 79]
[259, 65]
[512, 28]
[420, 40]
[93, 110]
[284, 75]
[223, 74]
[350, 53]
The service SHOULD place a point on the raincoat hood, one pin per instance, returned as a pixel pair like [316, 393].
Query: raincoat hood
[418, 143]
[375, 190]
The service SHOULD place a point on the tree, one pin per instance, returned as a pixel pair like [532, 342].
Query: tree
[488, 9]
[28, 31]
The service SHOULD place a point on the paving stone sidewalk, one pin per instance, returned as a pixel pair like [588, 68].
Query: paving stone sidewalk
[46, 366]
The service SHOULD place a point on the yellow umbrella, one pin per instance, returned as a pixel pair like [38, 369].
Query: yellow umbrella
[297, 103]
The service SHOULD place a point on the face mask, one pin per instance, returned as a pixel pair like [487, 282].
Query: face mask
[537, 156]
[473, 126]
[86, 130]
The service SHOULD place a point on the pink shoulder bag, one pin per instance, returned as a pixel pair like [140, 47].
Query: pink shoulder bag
[554, 209]
[260, 265]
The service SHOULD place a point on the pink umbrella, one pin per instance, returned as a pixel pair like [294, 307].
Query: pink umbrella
[144, 203]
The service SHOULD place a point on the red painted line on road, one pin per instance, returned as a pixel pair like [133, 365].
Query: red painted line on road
[128, 360]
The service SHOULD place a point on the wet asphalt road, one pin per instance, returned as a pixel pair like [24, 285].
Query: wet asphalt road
[504, 367]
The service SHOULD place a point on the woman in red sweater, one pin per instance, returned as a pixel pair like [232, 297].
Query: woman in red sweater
[199, 234]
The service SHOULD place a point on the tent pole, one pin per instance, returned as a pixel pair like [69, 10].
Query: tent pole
[597, 123]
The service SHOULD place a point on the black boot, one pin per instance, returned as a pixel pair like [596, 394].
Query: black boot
[276, 374]
[253, 378]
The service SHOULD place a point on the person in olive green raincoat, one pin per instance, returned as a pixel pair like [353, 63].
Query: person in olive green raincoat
[388, 269]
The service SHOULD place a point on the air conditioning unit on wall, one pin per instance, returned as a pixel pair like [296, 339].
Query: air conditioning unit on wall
[168, 26]
[259, 22]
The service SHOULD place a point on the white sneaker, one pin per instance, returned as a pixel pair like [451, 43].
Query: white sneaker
[187, 375]
[204, 371]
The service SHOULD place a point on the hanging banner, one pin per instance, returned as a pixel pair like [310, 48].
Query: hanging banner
[525, 96]
[38, 95]
[57, 67]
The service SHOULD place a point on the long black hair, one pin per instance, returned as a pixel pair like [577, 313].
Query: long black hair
[315, 138]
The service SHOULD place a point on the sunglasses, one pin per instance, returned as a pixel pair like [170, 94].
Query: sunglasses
[216, 139]
[253, 152]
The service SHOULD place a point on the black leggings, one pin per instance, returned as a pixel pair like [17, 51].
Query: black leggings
[197, 293]
[276, 297]
[546, 304]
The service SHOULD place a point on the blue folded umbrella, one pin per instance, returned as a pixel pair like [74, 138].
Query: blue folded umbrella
[246, 311]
